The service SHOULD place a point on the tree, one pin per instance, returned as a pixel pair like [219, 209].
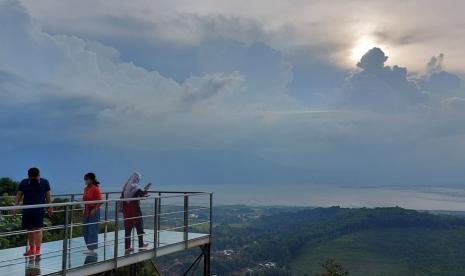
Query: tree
[332, 269]
[8, 186]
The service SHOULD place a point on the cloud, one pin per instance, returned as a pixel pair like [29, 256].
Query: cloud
[410, 32]
[385, 88]
[198, 89]
[378, 86]
[439, 83]
[232, 91]
[103, 96]
[435, 64]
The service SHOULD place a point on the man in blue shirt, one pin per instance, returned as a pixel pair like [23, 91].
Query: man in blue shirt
[34, 190]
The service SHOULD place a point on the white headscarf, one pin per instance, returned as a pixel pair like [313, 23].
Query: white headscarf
[132, 185]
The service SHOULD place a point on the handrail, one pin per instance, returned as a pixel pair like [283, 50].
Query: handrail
[113, 193]
[70, 203]
[161, 222]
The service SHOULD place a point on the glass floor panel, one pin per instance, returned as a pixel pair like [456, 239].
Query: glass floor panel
[13, 263]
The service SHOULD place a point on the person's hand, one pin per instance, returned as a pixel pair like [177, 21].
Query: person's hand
[50, 211]
[93, 212]
[13, 212]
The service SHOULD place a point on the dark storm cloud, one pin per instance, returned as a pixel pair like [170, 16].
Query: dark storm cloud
[435, 64]
[28, 107]
[378, 86]
[391, 88]
[440, 83]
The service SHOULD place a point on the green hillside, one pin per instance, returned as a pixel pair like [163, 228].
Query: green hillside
[379, 241]
[396, 251]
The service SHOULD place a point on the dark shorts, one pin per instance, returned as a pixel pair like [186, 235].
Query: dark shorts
[32, 220]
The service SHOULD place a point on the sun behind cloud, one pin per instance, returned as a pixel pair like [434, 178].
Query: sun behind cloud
[361, 47]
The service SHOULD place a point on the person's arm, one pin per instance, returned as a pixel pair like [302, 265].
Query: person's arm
[140, 193]
[96, 195]
[145, 191]
[19, 197]
[48, 198]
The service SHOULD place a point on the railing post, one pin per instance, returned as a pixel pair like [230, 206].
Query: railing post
[186, 220]
[211, 215]
[116, 235]
[65, 243]
[155, 225]
[206, 259]
[105, 217]
[71, 222]
[159, 217]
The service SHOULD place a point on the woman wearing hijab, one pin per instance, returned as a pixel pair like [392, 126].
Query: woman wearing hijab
[132, 212]
[91, 213]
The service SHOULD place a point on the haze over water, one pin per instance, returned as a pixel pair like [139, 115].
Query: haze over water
[419, 198]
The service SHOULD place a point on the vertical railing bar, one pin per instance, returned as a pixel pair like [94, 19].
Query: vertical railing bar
[211, 215]
[158, 222]
[155, 226]
[116, 235]
[133, 235]
[186, 220]
[71, 221]
[65, 243]
[106, 227]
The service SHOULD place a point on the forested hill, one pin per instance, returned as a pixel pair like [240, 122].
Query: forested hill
[291, 230]
[379, 241]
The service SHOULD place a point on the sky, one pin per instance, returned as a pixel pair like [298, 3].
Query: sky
[353, 93]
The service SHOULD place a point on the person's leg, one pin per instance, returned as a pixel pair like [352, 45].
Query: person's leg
[127, 237]
[90, 233]
[38, 233]
[38, 239]
[30, 241]
[85, 229]
[140, 227]
[140, 231]
[26, 225]
[93, 231]
[30, 238]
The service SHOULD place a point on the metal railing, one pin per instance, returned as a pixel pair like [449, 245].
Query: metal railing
[165, 211]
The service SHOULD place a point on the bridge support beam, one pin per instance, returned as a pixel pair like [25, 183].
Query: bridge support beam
[154, 266]
[205, 254]
[133, 269]
[206, 259]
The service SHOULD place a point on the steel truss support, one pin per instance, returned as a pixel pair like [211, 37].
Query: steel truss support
[206, 261]
[154, 265]
[133, 269]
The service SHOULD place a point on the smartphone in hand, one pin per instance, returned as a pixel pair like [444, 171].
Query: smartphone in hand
[147, 187]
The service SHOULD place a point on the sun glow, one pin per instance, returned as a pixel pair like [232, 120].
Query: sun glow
[361, 47]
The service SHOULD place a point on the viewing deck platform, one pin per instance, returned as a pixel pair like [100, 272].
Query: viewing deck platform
[174, 222]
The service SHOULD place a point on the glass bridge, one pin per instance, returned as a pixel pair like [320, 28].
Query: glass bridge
[174, 222]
